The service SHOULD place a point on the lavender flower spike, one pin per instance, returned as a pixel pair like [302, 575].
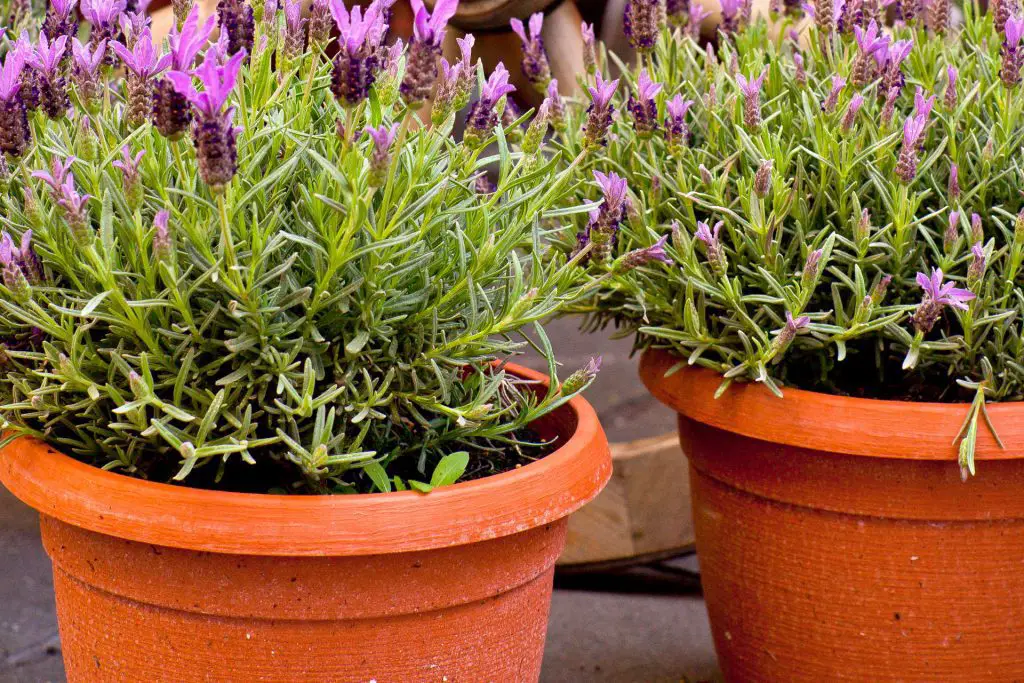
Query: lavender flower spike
[85, 72]
[103, 15]
[603, 228]
[787, 334]
[535, 60]
[856, 102]
[677, 133]
[358, 60]
[869, 42]
[380, 158]
[890, 60]
[142, 64]
[589, 47]
[62, 183]
[950, 98]
[213, 133]
[1013, 56]
[556, 107]
[937, 295]
[482, 117]
[838, 83]
[954, 181]
[730, 16]
[599, 114]
[906, 164]
[46, 58]
[14, 131]
[129, 167]
[642, 21]
[11, 273]
[172, 112]
[294, 30]
[643, 107]
[425, 49]
[713, 245]
[162, 244]
[643, 256]
[238, 23]
[697, 15]
[61, 19]
[751, 90]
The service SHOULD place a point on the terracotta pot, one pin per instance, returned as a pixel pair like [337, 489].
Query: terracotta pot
[837, 540]
[158, 583]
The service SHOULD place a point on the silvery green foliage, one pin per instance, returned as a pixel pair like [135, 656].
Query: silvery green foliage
[336, 309]
[799, 181]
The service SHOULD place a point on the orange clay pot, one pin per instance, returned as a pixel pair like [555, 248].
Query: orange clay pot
[837, 541]
[164, 583]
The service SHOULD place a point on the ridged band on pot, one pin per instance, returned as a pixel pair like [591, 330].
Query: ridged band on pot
[837, 540]
[157, 582]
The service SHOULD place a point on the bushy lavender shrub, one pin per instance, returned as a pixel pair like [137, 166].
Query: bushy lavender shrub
[840, 206]
[210, 264]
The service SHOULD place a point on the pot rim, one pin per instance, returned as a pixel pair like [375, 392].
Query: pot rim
[827, 422]
[330, 525]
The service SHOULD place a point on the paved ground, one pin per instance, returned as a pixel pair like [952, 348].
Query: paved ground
[599, 636]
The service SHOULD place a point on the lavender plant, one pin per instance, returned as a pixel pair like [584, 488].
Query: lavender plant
[839, 209]
[228, 274]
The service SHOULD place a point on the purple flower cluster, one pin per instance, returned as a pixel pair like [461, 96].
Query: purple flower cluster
[172, 112]
[425, 50]
[641, 21]
[889, 59]
[913, 137]
[696, 16]
[482, 117]
[142, 64]
[589, 47]
[643, 256]
[869, 42]
[214, 133]
[358, 60]
[535, 59]
[20, 265]
[751, 91]
[46, 60]
[383, 137]
[603, 228]
[455, 84]
[829, 105]
[103, 15]
[1013, 56]
[937, 296]
[643, 106]
[599, 114]
[237, 21]
[15, 134]
[73, 205]
[712, 245]
[85, 71]
[61, 19]
[677, 133]
[129, 167]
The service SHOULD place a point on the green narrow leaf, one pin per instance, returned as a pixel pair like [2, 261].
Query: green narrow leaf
[450, 468]
[380, 478]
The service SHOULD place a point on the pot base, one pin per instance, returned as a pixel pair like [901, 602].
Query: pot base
[131, 612]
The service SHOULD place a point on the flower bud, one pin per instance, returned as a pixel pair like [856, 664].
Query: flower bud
[763, 178]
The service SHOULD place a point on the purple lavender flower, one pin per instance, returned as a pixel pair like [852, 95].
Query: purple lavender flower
[172, 112]
[380, 158]
[85, 72]
[643, 256]
[555, 106]
[357, 61]
[425, 49]
[1002, 11]
[751, 90]
[643, 106]
[578, 380]
[238, 23]
[850, 15]
[603, 229]
[447, 91]
[142, 64]
[952, 235]
[730, 15]
[213, 133]
[977, 232]
[72, 204]
[950, 98]
[482, 117]
[1013, 57]
[829, 105]
[890, 60]
[129, 167]
[467, 70]
[785, 337]
[589, 47]
[954, 182]
[163, 247]
[61, 19]
[869, 43]
[976, 271]
[923, 105]
[913, 131]
[856, 102]
[45, 59]
[11, 274]
[538, 129]
[23, 256]
[936, 297]
[801, 74]
[320, 23]
[677, 133]
[14, 131]
[132, 24]
[535, 60]
[103, 15]
[294, 30]
[697, 15]
[712, 245]
[938, 16]
[889, 108]
[599, 114]
[763, 178]
[641, 22]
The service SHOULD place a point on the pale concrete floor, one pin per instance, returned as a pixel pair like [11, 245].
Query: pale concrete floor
[599, 637]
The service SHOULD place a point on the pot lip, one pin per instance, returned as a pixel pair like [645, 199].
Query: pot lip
[826, 422]
[340, 525]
